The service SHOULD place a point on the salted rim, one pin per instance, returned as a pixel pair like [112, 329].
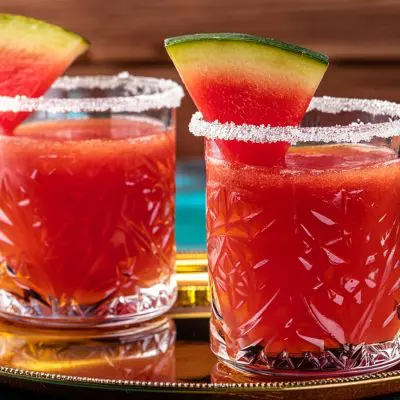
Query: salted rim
[142, 94]
[352, 133]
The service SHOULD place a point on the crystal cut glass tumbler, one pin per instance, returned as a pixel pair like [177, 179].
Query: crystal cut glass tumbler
[87, 203]
[304, 253]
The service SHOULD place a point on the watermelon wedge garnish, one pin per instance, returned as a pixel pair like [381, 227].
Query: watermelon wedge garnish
[248, 79]
[33, 55]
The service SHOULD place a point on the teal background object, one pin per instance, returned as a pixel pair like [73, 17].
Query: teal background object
[190, 206]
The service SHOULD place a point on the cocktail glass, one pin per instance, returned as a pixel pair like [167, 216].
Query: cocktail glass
[87, 203]
[304, 256]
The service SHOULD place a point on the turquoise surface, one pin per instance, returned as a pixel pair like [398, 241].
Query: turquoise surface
[190, 206]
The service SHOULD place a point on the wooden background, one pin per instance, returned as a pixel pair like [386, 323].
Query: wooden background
[362, 37]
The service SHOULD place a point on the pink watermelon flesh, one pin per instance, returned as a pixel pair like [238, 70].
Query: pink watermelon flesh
[26, 75]
[227, 100]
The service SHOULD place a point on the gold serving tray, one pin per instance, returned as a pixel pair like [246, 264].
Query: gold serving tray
[193, 290]
[168, 357]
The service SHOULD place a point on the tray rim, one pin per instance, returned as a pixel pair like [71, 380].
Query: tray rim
[186, 387]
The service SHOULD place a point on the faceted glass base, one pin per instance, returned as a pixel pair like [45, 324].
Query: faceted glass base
[349, 359]
[147, 304]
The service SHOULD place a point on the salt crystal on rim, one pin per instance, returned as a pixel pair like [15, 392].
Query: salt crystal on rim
[142, 94]
[352, 133]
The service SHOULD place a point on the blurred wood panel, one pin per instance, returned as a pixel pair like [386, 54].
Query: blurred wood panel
[369, 80]
[133, 30]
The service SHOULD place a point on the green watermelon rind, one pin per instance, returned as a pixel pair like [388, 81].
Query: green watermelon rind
[242, 37]
[22, 24]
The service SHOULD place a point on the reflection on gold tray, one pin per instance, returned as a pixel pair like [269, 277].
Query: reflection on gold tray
[169, 355]
[143, 353]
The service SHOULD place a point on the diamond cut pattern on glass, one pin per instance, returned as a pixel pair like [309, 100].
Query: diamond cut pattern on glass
[87, 227]
[305, 265]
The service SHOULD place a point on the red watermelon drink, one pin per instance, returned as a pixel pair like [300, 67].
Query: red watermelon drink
[87, 203]
[304, 260]
[303, 223]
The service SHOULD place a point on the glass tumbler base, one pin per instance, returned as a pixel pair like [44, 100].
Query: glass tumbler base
[344, 361]
[146, 304]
